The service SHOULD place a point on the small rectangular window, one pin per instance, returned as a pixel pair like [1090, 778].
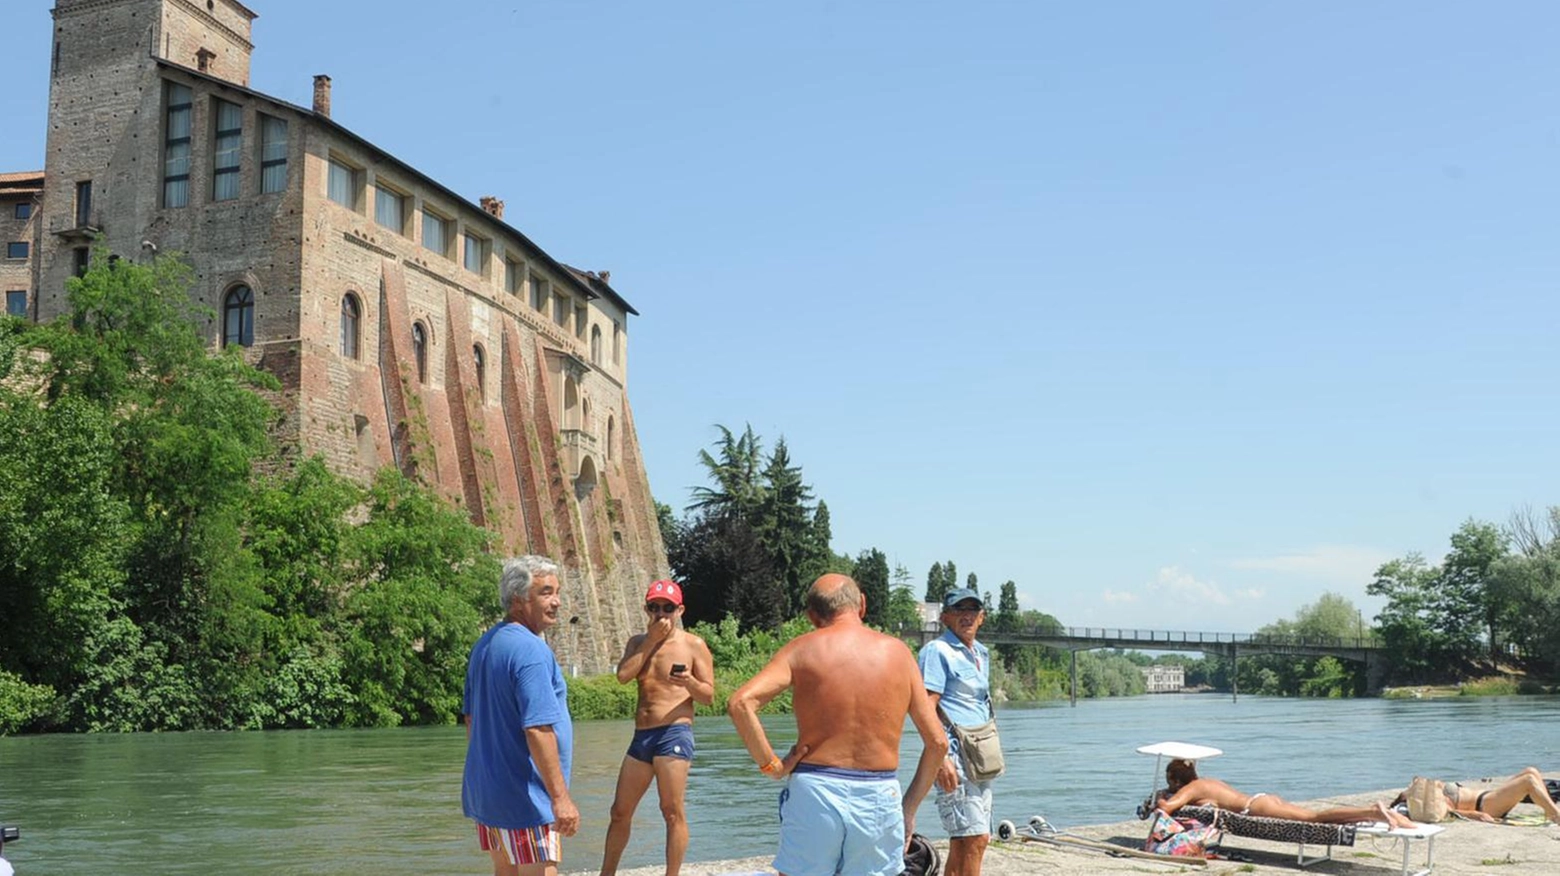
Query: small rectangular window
[176, 147]
[16, 249]
[84, 203]
[561, 310]
[16, 303]
[512, 276]
[475, 257]
[24, 210]
[82, 258]
[436, 233]
[342, 185]
[273, 154]
[538, 294]
[581, 321]
[229, 145]
[390, 209]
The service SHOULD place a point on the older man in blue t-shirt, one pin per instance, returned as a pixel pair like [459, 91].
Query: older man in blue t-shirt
[957, 672]
[520, 739]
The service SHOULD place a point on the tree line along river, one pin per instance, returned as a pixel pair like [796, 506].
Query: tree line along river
[388, 801]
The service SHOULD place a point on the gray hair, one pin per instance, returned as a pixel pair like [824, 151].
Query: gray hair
[828, 603]
[519, 573]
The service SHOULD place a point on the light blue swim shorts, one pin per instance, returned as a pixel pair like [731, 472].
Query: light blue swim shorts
[836, 820]
[966, 810]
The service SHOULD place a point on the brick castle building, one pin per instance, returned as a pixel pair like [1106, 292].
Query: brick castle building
[408, 326]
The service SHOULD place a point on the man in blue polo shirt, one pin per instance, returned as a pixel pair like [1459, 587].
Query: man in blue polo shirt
[520, 741]
[957, 672]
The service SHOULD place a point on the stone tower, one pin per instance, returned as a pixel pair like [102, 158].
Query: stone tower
[408, 325]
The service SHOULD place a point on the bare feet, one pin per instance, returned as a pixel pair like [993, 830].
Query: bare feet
[1393, 818]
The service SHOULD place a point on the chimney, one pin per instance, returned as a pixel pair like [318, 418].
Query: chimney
[606, 276]
[322, 95]
[493, 206]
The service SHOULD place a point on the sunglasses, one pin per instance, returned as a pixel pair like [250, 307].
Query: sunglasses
[661, 608]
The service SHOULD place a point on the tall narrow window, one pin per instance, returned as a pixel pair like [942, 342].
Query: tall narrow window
[611, 436]
[617, 343]
[176, 148]
[273, 154]
[225, 157]
[581, 320]
[538, 293]
[341, 185]
[595, 345]
[390, 209]
[16, 302]
[81, 260]
[512, 276]
[480, 361]
[475, 257]
[84, 203]
[351, 318]
[420, 351]
[436, 233]
[238, 317]
[561, 311]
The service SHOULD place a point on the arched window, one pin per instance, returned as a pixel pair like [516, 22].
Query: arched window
[351, 317]
[480, 361]
[611, 436]
[238, 317]
[595, 345]
[420, 351]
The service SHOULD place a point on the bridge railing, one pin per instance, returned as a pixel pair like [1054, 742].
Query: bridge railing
[1148, 638]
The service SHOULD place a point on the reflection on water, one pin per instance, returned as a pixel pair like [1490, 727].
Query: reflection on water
[388, 801]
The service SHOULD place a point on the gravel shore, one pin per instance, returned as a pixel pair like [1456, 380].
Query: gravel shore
[1465, 847]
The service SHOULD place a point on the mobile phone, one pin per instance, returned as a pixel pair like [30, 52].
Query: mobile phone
[679, 668]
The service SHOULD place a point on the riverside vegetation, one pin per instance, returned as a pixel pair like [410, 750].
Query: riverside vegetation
[165, 566]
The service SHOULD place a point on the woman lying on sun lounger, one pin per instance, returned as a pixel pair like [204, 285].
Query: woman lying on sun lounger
[1186, 789]
[1493, 803]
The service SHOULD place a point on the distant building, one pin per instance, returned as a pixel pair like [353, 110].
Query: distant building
[931, 614]
[1168, 678]
[408, 325]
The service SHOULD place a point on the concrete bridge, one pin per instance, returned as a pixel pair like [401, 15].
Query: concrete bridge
[1364, 649]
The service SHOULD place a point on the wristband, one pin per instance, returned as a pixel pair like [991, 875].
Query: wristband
[773, 767]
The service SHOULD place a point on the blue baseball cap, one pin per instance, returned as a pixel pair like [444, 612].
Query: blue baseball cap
[954, 597]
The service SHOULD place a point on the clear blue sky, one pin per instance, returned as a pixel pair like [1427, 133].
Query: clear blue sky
[1177, 314]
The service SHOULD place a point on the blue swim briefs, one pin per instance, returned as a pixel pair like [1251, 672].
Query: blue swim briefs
[673, 740]
[836, 820]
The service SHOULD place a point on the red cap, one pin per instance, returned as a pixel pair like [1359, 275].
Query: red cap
[665, 590]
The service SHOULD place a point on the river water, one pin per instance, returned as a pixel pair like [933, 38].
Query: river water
[388, 801]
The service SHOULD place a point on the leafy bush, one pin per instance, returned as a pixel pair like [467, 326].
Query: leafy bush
[23, 706]
[1493, 686]
[601, 696]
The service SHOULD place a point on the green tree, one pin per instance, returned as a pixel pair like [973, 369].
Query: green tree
[871, 576]
[935, 585]
[735, 469]
[786, 523]
[1464, 603]
[1405, 623]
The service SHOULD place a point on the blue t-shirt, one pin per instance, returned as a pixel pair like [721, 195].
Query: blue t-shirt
[962, 676]
[512, 682]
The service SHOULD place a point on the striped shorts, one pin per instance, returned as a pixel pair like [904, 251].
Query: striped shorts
[526, 845]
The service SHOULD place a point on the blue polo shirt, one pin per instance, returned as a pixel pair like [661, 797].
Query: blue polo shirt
[512, 682]
[961, 675]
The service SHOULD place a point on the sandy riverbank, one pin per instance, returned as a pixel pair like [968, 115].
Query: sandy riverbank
[1464, 848]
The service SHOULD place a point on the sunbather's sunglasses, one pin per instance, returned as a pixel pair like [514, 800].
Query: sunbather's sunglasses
[660, 608]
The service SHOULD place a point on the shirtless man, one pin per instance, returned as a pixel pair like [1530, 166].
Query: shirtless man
[841, 809]
[1186, 789]
[674, 670]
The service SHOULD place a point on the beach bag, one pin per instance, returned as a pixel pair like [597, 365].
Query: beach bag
[1189, 838]
[921, 858]
[1553, 786]
[980, 751]
[1427, 800]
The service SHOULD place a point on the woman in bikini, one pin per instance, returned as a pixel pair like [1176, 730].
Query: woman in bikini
[1186, 789]
[1493, 803]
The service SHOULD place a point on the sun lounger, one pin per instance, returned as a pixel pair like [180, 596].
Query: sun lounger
[1279, 830]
